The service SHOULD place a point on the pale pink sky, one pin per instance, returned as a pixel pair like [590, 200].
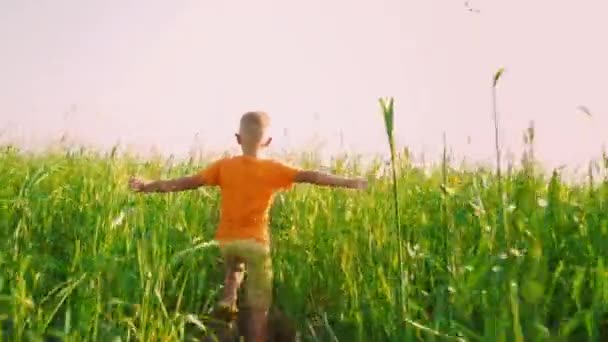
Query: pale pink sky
[159, 72]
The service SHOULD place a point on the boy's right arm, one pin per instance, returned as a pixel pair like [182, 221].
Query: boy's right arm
[324, 179]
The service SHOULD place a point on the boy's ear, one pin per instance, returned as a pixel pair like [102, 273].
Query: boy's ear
[238, 138]
[268, 141]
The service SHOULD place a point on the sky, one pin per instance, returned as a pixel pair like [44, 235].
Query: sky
[177, 74]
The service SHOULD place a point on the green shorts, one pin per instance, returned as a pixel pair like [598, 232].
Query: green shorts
[254, 258]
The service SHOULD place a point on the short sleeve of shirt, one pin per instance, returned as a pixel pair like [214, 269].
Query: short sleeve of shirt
[211, 174]
[282, 175]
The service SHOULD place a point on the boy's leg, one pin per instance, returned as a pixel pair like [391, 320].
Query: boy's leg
[259, 291]
[235, 271]
[226, 311]
[233, 278]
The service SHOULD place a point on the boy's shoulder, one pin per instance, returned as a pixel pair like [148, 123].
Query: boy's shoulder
[266, 162]
[276, 162]
[226, 158]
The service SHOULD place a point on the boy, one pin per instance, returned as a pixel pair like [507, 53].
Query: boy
[248, 184]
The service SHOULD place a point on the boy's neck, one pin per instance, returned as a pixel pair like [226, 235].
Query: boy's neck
[253, 153]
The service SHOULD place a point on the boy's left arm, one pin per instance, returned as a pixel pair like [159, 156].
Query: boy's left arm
[170, 185]
[207, 177]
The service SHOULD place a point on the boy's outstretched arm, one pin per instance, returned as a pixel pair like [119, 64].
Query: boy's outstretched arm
[170, 185]
[320, 178]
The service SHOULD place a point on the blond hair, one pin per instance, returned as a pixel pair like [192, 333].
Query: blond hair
[253, 125]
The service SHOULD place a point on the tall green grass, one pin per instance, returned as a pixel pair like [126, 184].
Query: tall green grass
[422, 255]
[83, 258]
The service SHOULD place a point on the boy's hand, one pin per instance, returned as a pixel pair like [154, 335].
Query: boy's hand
[136, 185]
[358, 183]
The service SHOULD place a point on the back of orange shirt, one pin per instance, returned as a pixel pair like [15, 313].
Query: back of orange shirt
[247, 188]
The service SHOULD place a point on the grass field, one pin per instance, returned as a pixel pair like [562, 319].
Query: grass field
[81, 257]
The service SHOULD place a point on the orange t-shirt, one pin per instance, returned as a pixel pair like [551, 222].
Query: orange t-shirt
[248, 185]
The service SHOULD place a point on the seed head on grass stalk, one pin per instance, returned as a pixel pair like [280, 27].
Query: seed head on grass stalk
[388, 114]
[501, 194]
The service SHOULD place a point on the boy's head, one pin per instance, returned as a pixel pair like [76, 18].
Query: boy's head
[253, 130]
